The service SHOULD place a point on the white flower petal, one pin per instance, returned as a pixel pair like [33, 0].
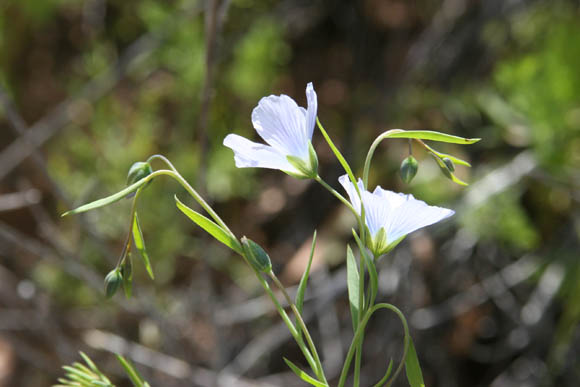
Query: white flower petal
[250, 154]
[344, 180]
[398, 213]
[411, 215]
[312, 109]
[281, 123]
[377, 211]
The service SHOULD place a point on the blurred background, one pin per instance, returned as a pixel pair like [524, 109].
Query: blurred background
[88, 87]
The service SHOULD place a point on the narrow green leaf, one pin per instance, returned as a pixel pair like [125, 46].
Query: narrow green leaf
[210, 227]
[74, 373]
[352, 280]
[108, 200]
[386, 376]
[446, 170]
[430, 135]
[136, 379]
[93, 366]
[304, 280]
[140, 244]
[337, 153]
[303, 375]
[82, 367]
[412, 367]
[456, 160]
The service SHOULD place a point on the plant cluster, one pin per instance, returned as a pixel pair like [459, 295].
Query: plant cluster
[384, 219]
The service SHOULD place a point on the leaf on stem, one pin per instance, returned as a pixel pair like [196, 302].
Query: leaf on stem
[352, 277]
[140, 244]
[429, 135]
[303, 375]
[108, 200]
[446, 171]
[386, 376]
[338, 155]
[136, 379]
[442, 155]
[412, 367]
[210, 227]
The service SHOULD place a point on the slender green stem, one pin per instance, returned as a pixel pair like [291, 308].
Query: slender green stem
[359, 334]
[128, 244]
[336, 194]
[361, 289]
[372, 151]
[293, 331]
[164, 159]
[319, 371]
[360, 218]
[193, 193]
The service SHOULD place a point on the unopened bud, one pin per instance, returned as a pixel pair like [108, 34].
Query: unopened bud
[112, 282]
[409, 168]
[138, 171]
[256, 255]
[449, 164]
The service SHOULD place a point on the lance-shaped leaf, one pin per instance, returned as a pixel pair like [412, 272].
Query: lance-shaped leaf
[108, 200]
[140, 244]
[135, 377]
[442, 155]
[210, 227]
[303, 375]
[337, 153]
[446, 171]
[412, 367]
[352, 281]
[428, 135]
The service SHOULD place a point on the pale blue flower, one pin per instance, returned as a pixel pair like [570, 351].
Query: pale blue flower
[390, 216]
[287, 129]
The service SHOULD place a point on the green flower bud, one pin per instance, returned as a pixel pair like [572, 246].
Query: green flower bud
[256, 255]
[449, 164]
[409, 168]
[113, 281]
[138, 171]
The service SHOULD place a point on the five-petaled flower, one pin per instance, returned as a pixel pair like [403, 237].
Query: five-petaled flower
[287, 128]
[390, 216]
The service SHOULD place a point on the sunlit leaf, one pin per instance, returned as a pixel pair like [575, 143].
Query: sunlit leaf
[338, 155]
[429, 135]
[108, 200]
[303, 375]
[136, 379]
[352, 277]
[140, 244]
[210, 227]
[445, 169]
[412, 367]
[442, 155]
[386, 376]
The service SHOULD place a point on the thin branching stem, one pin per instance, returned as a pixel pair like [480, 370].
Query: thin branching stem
[319, 371]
